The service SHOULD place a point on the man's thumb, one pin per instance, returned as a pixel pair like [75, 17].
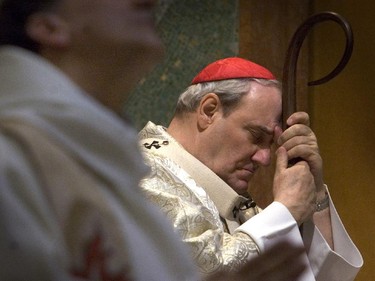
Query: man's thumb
[281, 159]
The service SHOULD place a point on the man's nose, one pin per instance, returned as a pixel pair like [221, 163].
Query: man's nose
[262, 156]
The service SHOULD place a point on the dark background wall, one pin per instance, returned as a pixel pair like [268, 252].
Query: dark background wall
[343, 116]
[195, 33]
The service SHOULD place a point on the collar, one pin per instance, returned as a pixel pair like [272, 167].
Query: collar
[226, 200]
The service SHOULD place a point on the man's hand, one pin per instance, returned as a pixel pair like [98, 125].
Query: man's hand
[294, 187]
[300, 142]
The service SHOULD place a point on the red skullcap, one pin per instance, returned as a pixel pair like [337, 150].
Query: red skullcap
[232, 68]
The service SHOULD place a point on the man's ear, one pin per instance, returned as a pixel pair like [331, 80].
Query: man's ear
[208, 107]
[48, 30]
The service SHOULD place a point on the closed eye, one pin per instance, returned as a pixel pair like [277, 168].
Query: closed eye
[256, 135]
[261, 137]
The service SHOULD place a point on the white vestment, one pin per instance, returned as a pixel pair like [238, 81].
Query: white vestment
[204, 211]
[70, 205]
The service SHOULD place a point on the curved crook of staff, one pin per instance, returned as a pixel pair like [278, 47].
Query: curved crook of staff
[290, 65]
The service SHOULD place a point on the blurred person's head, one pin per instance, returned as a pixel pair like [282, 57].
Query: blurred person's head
[103, 45]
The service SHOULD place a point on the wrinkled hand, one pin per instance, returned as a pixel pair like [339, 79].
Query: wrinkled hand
[294, 187]
[280, 263]
[300, 142]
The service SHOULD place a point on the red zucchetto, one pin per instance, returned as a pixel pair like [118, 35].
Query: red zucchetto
[232, 68]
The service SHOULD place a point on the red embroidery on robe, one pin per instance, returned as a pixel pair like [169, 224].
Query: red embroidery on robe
[95, 264]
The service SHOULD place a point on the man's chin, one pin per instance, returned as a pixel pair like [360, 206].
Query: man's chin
[241, 188]
[148, 55]
[144, 58]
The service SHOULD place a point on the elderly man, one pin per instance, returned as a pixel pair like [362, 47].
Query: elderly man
[222, 131]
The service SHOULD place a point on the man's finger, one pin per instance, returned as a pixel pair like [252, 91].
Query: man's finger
[298, 118]
[281, 160]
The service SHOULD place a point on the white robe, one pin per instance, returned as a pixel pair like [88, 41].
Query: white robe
[196, 201]
[69, 175]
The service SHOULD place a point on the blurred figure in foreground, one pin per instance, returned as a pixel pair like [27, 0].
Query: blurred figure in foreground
[69, 204]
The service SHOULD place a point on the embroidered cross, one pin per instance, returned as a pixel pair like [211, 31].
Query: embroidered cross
[155, 144]
[95, 267]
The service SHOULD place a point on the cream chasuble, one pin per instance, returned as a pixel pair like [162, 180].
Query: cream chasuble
[204, 210]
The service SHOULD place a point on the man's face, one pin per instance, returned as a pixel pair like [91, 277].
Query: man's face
[102, 24]
[240, 142]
